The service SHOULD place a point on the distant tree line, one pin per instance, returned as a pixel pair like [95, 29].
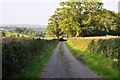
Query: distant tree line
[83, 19]
[9, 34]
[29, 32]
[17, 32]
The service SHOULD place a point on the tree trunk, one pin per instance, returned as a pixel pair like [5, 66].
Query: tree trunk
[57, 36]
[77, 34]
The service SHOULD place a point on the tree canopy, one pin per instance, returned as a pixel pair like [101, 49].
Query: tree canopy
[76, 18]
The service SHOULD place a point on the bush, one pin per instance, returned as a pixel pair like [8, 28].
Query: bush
[106, 47]
[100, 55]
[17, 55]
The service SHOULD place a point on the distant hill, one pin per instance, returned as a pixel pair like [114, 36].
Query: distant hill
[22, 25]
[33, 27]
[30, 30]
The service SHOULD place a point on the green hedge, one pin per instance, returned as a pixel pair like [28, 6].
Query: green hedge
[17, 55]
[106, 47]
[100, 55]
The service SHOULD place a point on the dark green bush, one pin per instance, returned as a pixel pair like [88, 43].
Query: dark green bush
[17, 55]
[106, 47]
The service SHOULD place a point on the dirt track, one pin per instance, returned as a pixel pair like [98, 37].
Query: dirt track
[63, 64]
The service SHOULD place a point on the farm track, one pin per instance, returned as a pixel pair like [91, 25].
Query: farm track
[63, 64]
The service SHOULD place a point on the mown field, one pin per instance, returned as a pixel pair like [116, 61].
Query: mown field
[25, 57]
[99, 54]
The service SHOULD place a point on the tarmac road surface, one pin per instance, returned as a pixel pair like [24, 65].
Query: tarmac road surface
[63, 64]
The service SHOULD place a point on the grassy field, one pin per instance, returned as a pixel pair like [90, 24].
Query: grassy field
[10, 34]
[105, 67]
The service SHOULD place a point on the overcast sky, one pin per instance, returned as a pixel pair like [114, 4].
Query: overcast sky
[36, 11]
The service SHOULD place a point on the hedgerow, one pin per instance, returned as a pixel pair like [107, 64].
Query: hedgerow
[106, 47]
[100, 55]
[17, 55]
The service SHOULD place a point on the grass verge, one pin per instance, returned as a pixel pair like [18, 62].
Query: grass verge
[38, 63]
[104, 67]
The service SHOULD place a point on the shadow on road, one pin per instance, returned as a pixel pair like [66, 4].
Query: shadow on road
[61, 39]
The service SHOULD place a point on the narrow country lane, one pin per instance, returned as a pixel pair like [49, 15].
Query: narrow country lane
[63, 64]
